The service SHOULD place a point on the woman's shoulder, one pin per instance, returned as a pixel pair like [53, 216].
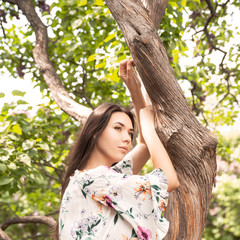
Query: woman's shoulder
[125, 166]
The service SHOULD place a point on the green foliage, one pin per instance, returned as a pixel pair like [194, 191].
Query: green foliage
[223, 219]
[214, 70]
[86, 46]
[32, 154]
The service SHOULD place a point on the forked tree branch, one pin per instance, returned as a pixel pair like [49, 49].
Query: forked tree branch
[40, 54]
[156, 10]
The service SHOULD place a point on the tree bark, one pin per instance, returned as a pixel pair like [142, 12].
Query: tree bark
[4, 236]
[40, 54]
[191, 146]
[50, 222]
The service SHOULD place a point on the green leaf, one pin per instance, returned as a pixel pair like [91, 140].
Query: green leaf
[184, 2]
[28, 144]
[16, 129]
[3, 167]
[155, 187]
[110, 37]
[84, 194]
[5, 180]
[4, 126]
[99, 3]
[12, 166]
[91, 58]
[114, 76]
[18, 93]
[2, 95]
[75, 24]
[12, 137]
[25, 159]
[45, 13]
[100, 65]
[43, 146]
[21, 102]
[82, 3]
[115, 219]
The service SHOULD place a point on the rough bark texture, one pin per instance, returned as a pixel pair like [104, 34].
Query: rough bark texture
[4, 236]
[40, 54]
[50, 222]
[190, 146]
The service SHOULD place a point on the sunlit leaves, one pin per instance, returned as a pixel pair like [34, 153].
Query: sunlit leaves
[4, 126]
[18, 93]
[5, 180]
[31, 149]
[16, 129]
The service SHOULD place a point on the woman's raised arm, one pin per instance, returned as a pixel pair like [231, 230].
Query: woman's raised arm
[159, 155]
[149, 143]
[140, 153]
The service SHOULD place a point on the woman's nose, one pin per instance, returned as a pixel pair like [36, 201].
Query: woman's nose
[126, 137]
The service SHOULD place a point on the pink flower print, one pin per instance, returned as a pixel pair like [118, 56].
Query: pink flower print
[109, 201]
[144, 233]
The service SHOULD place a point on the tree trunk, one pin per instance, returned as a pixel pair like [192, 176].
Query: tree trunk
[190, 146]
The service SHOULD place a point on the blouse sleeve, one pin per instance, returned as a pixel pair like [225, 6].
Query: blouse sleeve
[125, 165]
[139, 200]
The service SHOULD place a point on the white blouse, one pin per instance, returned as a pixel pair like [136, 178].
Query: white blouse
[112, 203]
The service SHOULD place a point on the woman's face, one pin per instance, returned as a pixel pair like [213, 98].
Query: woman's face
[115, 141]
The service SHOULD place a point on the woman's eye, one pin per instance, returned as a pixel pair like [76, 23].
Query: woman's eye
[131, 135]
[117, 128]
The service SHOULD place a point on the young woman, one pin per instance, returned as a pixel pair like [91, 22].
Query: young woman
[103, 197]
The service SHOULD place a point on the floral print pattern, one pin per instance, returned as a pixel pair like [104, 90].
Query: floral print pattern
[112, 203]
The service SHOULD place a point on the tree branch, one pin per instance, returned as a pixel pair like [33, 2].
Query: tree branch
[4, 34]
[3, 235]
[40, 54]
[211, 7]
[11, 1]
[50, 222]
[156, 10]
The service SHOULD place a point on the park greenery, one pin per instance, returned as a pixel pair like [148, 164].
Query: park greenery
[85, 47]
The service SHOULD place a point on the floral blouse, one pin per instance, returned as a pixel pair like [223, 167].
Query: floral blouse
[112, 203]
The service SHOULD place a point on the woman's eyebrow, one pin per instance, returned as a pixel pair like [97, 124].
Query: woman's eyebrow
[131, 129]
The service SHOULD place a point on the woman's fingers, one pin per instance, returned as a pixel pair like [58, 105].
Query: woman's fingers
[123, 69]
[128, 75]
[130, 71]
[126, 69]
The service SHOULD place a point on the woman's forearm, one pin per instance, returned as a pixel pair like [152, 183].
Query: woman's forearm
[139, 103]
[159, 155]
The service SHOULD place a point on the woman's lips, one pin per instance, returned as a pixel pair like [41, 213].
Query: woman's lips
[124, 149]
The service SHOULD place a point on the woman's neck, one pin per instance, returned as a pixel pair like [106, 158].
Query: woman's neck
[96, 159]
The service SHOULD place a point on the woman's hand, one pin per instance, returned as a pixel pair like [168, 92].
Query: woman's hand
[128, 74]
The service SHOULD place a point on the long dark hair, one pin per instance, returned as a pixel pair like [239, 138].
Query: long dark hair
[87, 137]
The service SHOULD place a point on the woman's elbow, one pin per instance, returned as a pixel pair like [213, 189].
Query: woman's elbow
[173, 185]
